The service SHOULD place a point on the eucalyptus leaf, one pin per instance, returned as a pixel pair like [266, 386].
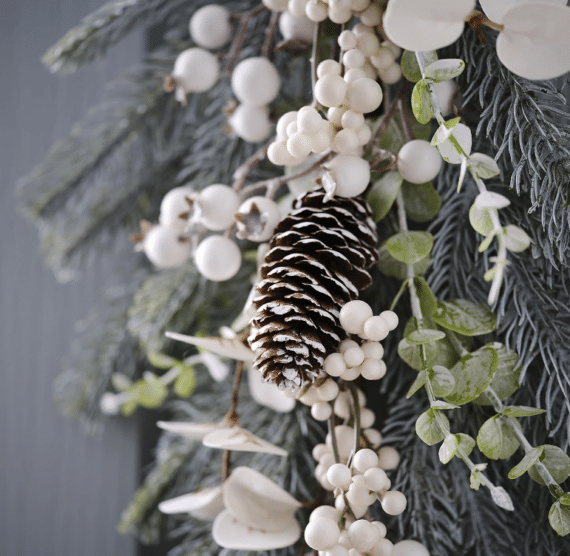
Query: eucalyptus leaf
[428, 301]
[424, 336]
[438, 404]
[409, 247]
[521, 411]
[484, 166]
[466, 317]
[442, 381]
[150, 392]
[160, 360]
[185, 382]
[421, 379]
[444, 70]
[422, 201]
[432, 426]
[506, 380]
[121, 382]
[412, 356]
[383, 193]
[389, 266]
[475, 479]
[530, 458]
[496, 440]
[422, 106]
[409, 63]
[454, 443]
[556, 461]
[516, 240]
[480, 220]
[565, 499]
[472, 374]
[485, 244]
[559, 518]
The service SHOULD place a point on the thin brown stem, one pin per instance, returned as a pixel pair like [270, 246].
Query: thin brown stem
[232, 418]
[239, 37]
[270, 32]
[227, 464]
[240, 175]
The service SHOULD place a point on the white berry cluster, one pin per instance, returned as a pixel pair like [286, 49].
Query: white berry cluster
[216, 208]
[363, 50]
[195, 69]
[341, 530]
[255, 83]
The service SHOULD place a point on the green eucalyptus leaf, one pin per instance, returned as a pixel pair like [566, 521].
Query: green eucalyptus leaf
[432, 426]
[521, 411]
[506, 380]
[160, 360]
[383, 193]
[516, 240]
[411, 354]
[490, 274]
[389, 266]
[484, 166]
[442, 381]
[428, 302]
[496, 440]
[484, 245]
[438, 404]
[448, 448]
[150, 392]
[129, 407]
[444, 70]
[556, 461]
[530, 458]
[466, 317]
[185, 382]
[559, 518]
[421, 379]
[475, 479]
[409, 247]
[424, 336]
[422, 106]
[422, 201]
[409, 63]
[564, 499]
[121, 382]
[480, 220]
[472, 374]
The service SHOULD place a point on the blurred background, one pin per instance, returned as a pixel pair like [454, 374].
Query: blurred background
[61, 492]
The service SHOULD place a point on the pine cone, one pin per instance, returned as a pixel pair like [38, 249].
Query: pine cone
[316, 263]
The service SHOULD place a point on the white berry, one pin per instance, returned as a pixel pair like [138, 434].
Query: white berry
[388, 458]
[383, 547]
[210, 26]
[334, 364]
[391, 318]
[364, 95]
[269, 210]
[365, 459]
[299, 144]
[319, 451]
[375, 479]
[316, 12]
[374, 438]
[352, 74]
[353, 58]
[256, 81]
[330, 90]
[351, 373]
[338, 550]
[173, 205]
[372, 369]
[283, 123]
[218, 258]
[251, 123]
[352, 119]
[363, 535]
[418, 161]
[345, 344]
[164, 248]
[218, 204]
[392, 74]
[309, 120]
[195, 70]
[383, 58]
[368, 44]
[353, 356]
[296, 28]
[375, 329]
[394, 502]
[410, 548]
[350, 173]
[347, 40]
[353, 315]
[372, 350]
[340, 476]
[321, 533]
[367, 416]
[321, 411]
[324, 511]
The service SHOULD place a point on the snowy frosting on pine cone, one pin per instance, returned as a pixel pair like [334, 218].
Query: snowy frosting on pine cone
[316, 263]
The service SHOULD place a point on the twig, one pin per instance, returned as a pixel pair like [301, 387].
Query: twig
[239, 37]
[270, 31]
[240, 175]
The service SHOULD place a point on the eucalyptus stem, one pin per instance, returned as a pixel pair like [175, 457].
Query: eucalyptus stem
[330, 424]
[356, 415]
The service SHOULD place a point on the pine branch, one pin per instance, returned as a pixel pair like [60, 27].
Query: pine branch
[528, 126]
[107, 26]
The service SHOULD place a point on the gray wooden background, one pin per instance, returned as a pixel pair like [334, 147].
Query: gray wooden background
[61, 493]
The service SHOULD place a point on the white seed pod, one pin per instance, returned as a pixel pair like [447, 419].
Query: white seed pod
[391, 318]
[381, 528]
[353, 58]
[195, 70]
[388, 458]
[335, 113]
[375, 479]
[375, 329]
[342, 405]
[383, 58]
[218, 258]
[309, 120]
[363, 535]
[372, 350]
[283, 123]
[321, 411]
[353, 315]
[334, 364]
[347, 40]
[364, 135]
[359, 5]
[327, 391]
[364, 95]
[372, 369]
[319, 451]
[372, 15]
[316, 11]
[255, 81]
[367, 416]
[365, 459]
[296, 28]
[340, 476]
[321, 141]
[210, 26]
[418, 161]
[394, 502]
[351, 373]
[299, 145]
[330, 90]
[321, 533]
[345, 141]
[345, 344]
[353, 356]
[218, 204]
[328, 67]
[163, 247]
[340, 15]
[278, 154]
[374, 438]
[368, 44]
[251, 123]
[383, 547]
[324, 511]
[350, 174]
[173, 205]
[353, 120]
[269, 210]
[392, 74]
[352, 74]
[410, 548]
[276, 5]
